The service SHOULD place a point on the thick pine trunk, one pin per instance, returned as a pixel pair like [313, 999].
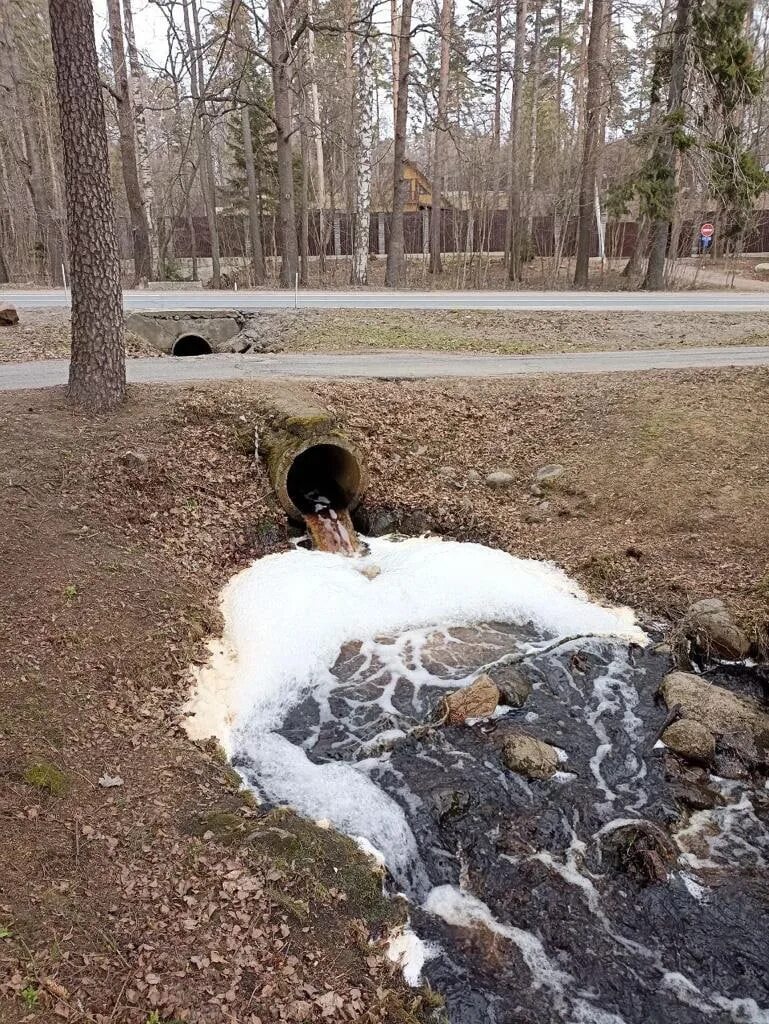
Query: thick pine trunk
[590, 153]
[254, 220]
[365, 145]
[396, 261]
[441, 132]
[125, 120]
[281, 83]
[97, 367]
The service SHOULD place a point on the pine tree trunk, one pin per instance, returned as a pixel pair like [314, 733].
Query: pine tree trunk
[202, 135]
[441, 131]
[254, 222]
[395, 52]
[635, 264]
[23, 110]
[281, 83]
[139, 230]
[396, 261]
[142, 147]
[666, 153]
[365, 145]
[320, 170]
[533, 128]
[97, 367]
[590, 153]
[513, 241]
[304, 224]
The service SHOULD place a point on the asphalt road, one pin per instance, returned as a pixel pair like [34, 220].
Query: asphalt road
[683, 301]
[49, 373]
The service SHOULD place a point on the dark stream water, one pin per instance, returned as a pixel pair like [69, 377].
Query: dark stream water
[624, 890]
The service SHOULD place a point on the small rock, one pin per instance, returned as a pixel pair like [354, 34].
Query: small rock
[547, 475]
[642, 850]
[762, 269]
[447, 471]
[415, 523]
[710, 626]
[8, 316]
[535, 515]
[136, 462]
[380, 523]
[473, 476]
[450, 801]
[536, 491]
[691, 785]
[690, 740]
[499, 479]
[478, 700]
[514, 688]
[371, 571]
[528, 756]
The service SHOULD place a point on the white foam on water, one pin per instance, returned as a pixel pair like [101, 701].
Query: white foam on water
[410, 953]
[724, 836]
[336, 792]
[741, 1011]
[693, 887]
[585, 1013]
[288, 615]
[461, 910]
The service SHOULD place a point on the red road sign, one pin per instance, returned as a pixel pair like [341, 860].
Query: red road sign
[707, 230]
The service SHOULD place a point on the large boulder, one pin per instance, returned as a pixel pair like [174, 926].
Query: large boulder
[529, 756]
[8, 316]
[690, 740]
[711, 628]
[478, 700]
[737, 722]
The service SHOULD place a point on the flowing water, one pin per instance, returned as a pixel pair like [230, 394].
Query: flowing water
[598, 895]
[330, 529]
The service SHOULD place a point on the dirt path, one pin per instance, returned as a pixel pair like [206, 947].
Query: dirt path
[45, 334]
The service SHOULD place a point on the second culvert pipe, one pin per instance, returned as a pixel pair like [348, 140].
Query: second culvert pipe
[307, 453]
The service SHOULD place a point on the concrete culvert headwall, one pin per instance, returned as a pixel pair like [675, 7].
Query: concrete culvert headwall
[191, 345]
[306, 452]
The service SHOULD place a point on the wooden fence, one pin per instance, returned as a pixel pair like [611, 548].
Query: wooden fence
[460, 233]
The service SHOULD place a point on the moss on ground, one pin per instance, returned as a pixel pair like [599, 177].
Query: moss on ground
[326, 862]
[46, 777]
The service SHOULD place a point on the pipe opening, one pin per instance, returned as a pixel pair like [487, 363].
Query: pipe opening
[325, 470]
[191, 345]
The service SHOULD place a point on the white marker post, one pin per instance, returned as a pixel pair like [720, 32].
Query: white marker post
[64, 279]
[296, 290]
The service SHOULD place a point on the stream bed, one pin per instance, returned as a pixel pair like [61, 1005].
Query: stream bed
[626, 888]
